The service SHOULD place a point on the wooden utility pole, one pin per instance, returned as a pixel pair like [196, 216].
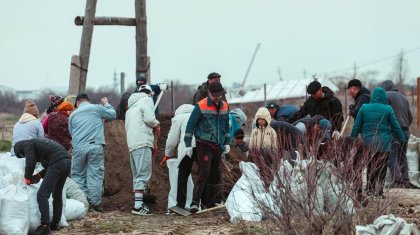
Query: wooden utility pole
[80, 63]
[142, 62]
[418, 101]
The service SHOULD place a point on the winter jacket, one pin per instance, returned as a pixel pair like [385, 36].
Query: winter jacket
[237, 118]
[27, 127]
[58, 128]
[209, 123]
[202, 92]
[362, 97]
[285, 111]
[399, 104]
[140, 120]
[177, 132]
[376, 122]
[328, 106]
[86, 125]
[263, 137]
[45, 151]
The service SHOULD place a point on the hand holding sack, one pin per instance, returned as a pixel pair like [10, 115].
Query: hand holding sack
[189, 151]
[227, 149]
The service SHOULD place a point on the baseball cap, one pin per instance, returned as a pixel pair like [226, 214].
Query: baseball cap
[354, 82]
[271, 105]
[81, 95]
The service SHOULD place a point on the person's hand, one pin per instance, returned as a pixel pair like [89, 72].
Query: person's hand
[104, 100]
[351, 107]
[164, 159]
[27, 181]
[188, 151]
[227, 149]
[163, 86]
[336, 135]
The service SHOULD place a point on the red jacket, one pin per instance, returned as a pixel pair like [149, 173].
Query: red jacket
[58, 128]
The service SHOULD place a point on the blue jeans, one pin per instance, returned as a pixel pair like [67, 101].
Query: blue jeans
[398, 160]
[87, 170]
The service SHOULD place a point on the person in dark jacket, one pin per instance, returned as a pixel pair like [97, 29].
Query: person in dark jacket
[397, 158]
[58, 124]
[209, 124]
[156, 88]
[53, 157]
[323, 102]
[203, 90]
[360, 94]
[377, 123]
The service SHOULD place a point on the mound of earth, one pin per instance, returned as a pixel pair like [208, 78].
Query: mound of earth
[118, 192]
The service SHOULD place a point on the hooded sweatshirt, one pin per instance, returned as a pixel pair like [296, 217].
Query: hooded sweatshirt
[26, 128]
[177, 132]
[263, 137]
[399, 104]
[140, 120]
[376, 122]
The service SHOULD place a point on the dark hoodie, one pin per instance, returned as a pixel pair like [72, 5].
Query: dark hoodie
[328, 106]
[362, 97]
[399, 104]
[45, 151]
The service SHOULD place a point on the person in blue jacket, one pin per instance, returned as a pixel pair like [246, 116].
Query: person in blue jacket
[377, 123]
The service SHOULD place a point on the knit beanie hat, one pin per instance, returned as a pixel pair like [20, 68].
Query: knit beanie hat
[65, 106]
[30, 107]
[239, 133]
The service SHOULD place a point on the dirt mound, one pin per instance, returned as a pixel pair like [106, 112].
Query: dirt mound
[118, 194]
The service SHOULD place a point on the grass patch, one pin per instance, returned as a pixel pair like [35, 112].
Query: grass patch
[5, 145]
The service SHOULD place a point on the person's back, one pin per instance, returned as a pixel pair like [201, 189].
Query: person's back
[28, 126]
[399, 104]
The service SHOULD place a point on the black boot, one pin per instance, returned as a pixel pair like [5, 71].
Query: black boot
[42, 230]
[55, 226]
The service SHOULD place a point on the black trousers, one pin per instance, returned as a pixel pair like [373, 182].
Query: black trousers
[53, 182]
[184, 172]
[376, 172]
[207, 187]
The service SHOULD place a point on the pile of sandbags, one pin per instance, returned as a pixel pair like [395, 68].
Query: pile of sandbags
[19, 213]
[413, 153]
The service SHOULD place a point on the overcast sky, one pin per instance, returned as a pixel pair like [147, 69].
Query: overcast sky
[188, 39]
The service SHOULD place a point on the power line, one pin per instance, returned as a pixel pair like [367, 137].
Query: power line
[372, 62]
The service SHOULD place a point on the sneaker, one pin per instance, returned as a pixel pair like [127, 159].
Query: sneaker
[42, 230]
[193, 209]
[96, 208]
[143, 210]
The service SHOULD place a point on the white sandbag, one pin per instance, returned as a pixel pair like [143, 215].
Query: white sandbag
[35, 215]
[388, 225]
[74, 210]
[172, 165]
[412, 161]
[251, 179]
[14, 210]
[414, 178]
[73, 191]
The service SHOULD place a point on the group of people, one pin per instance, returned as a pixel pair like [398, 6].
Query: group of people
[204, 133]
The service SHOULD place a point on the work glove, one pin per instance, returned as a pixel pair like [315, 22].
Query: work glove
[227, 149]
[163, 162]
[189, 151]
[163, 86]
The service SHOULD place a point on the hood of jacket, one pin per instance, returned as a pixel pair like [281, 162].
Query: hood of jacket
[264, 114]
[136, 97]
[183, 109]
[379, 96]
[389, 85]
[239, 115]
[26, 117]
[327, 92]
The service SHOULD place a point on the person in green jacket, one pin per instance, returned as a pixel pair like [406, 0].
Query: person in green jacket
[376, 122]
[203, 90]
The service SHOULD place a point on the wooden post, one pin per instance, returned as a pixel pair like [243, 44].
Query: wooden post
[122, 82]
[418, 101]
[86, 42]
[107, 21]
[74, 82]
[265, 94]
[142, 65]
[173, 96]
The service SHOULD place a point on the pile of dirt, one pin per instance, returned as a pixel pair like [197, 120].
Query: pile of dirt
[118, 193]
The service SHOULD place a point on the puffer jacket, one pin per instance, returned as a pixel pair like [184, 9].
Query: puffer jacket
[399, 104]
[263, 137]
[209, 123]
[140, 120]
[328, 106]
[177, 132]
[26, 128]
[376, 122]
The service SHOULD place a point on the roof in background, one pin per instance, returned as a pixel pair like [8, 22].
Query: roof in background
[278, 91]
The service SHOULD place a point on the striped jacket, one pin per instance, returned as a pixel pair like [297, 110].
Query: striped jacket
[208, 123]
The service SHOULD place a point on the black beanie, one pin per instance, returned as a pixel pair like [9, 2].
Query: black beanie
[239, 133]
[313, 87]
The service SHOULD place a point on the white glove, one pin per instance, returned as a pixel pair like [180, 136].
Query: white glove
[227, 149]
[163, 86]
[188, 151]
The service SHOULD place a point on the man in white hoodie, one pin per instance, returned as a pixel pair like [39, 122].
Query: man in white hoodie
[140, 124]
[28, 126]
[180, 168]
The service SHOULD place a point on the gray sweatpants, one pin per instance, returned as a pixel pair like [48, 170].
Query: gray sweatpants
[141, 167]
